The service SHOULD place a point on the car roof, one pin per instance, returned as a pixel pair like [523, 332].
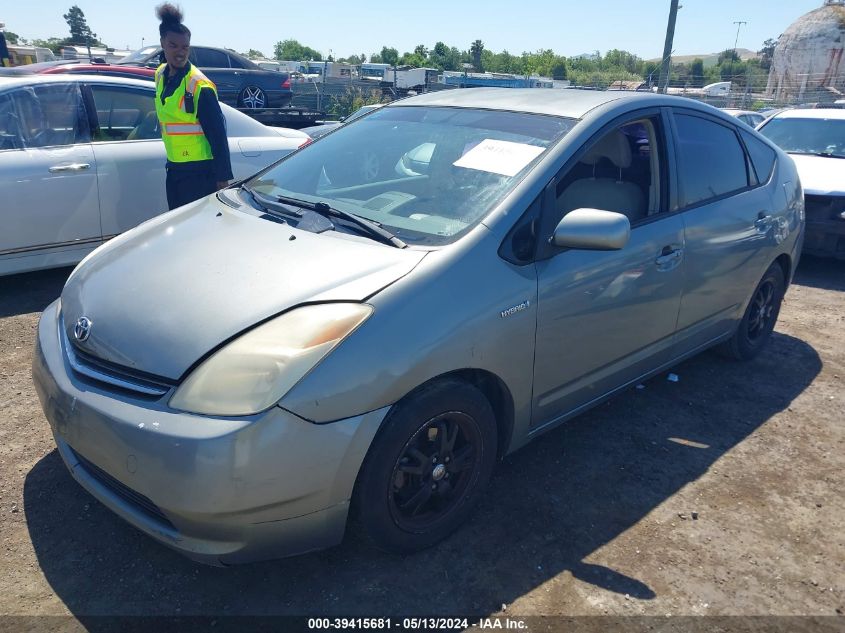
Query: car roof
[571, 103]
[811, 113]
[63, 78]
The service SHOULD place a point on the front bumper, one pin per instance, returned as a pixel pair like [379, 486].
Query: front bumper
[825, 238]
[219, 490]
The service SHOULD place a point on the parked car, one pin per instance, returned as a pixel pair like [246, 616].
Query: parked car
[339, 334]
[316, 131]
[240, 82]
[81, 160]
[748, 117]
[815, 139]
[110, 70]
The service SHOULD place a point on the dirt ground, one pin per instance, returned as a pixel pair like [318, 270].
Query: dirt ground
[719, 494]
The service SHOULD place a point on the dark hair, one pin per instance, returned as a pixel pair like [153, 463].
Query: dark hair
[171, 20]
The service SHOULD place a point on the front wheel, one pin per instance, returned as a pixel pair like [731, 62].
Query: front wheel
[760, 317]
[427, 468]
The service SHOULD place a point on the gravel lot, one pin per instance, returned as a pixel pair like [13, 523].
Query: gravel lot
[719, 494]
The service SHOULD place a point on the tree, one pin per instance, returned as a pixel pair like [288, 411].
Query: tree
[389, 56]
[54, 44]
[728, 56]
[80, 32]
[475, 51]
[421, 51]
[252, 54]
[696, 72]
[294, 51]
[767, 53]
[11, 38]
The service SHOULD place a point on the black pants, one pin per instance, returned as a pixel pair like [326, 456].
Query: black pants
[187, 185]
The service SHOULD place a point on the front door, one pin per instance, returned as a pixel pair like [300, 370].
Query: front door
[605, 318]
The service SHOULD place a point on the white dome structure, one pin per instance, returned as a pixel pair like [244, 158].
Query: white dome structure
[808, 57]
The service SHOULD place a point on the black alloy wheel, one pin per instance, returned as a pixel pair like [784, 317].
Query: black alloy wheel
[760, 317]
[434, 471]
[426, 468]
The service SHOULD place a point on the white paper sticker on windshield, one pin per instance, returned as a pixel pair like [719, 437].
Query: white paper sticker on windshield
[499, 157]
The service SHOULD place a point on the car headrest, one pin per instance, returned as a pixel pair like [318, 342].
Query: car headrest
[614, 146]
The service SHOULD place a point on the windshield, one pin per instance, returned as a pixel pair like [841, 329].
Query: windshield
[807, 136]
[428, 175]
[141, 55]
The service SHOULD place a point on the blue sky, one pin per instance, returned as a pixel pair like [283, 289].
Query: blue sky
[567, 27]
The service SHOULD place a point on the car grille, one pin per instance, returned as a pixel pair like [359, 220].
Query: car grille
[824, 208]
[135, 499]
[101, 371]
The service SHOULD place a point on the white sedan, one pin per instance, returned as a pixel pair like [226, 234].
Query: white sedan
[815, 139]
[81, 160]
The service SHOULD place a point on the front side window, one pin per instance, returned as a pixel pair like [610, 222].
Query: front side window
[620, 172]
[124, 114]
[712, 161]
[426, 174]
[813, 136]
[50, 115]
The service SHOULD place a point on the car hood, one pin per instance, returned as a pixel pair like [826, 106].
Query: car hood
[820, 175]
[163, 295]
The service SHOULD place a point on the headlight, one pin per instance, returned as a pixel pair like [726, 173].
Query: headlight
[254, 371]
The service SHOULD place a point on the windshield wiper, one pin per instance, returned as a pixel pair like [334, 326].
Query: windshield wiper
[822, 154]
[270, 205]
[370, 227]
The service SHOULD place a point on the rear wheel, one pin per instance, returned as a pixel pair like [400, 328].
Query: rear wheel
[252, 98]
[427, 468]
[760, 317]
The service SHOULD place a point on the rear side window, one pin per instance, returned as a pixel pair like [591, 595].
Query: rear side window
[210, 58]
[124, 114]
[762, 157]
[712, 161]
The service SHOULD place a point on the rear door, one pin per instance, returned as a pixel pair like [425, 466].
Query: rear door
[130, 155]
[215, 65]
[49, 184]
[728, 220]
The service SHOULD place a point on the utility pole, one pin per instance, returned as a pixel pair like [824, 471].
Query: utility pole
[667, 48]
[739, 24]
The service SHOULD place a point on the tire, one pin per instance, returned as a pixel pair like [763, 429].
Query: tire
[426, 468]
[759, 319]
[252, 98]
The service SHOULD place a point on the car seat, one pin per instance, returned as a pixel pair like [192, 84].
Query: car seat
[608, 194]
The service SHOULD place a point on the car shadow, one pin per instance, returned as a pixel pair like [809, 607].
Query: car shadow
[821, 272]
[549, 508]
[31, 292]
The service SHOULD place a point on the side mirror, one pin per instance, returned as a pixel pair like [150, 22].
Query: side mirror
[592, 229]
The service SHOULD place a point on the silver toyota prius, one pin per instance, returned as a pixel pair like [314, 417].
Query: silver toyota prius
[359, 332]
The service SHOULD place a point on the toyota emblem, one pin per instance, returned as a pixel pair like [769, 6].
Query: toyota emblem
[82, 329]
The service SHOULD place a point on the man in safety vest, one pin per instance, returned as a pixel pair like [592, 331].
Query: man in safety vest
[192, 124]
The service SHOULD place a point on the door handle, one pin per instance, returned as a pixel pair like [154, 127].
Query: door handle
[72, 167]
[669, 256]
[763, 220]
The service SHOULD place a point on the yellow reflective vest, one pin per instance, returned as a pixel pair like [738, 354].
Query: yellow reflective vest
[181, 131]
